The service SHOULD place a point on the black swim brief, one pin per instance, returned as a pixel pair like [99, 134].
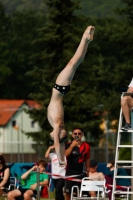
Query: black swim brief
[128, 94]
[62, 89]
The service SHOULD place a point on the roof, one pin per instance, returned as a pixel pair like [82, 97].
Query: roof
[9, 107]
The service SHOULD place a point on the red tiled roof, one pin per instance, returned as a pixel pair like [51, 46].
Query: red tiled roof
[32, 104]
[9, 107]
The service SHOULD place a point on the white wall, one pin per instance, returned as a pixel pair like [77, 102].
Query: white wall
[14, 140]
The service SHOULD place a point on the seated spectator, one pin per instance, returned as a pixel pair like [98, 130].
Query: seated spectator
[30, 188]
[4, 175]
[94, 174]
[109, 173]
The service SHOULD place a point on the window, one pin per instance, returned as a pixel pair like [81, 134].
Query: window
[14, 123]
[33, 124]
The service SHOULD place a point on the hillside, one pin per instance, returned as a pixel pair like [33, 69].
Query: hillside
[98, 9]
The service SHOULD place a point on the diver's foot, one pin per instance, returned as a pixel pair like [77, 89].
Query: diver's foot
[89, 33]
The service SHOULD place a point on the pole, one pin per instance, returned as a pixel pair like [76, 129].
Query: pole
[107, 139]
[22, 140]
[18, 141]
[38, 183]
[132, 155]
[11, 136]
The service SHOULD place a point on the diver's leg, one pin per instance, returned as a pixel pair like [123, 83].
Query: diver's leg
[66, 75]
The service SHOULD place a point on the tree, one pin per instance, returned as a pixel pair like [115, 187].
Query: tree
[23, 5]
[5, 71]
[126, 10]
[57, 42]
[17, 33]
[97, 80]
[95, 9]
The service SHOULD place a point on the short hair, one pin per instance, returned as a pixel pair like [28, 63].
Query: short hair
[113, 163]
[93, 163]
[43, 163]
[77, 128]
[2, 160]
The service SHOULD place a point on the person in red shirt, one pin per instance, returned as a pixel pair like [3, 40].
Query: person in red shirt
[77, 154]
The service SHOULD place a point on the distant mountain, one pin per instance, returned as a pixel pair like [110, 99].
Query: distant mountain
[100, 8]
[23, 5]
[90, 8]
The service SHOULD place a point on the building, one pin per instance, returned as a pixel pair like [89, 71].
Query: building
[14, 122]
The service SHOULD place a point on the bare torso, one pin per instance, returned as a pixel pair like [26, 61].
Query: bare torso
[96, 175]
[55, 111]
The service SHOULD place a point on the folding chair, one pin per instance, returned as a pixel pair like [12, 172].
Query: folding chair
[12, 186]
[13, 183]
[47, 190]
[88, 184]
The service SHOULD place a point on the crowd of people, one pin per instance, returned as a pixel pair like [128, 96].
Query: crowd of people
[79, 165]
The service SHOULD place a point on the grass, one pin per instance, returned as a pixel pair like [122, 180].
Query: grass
[52, 197]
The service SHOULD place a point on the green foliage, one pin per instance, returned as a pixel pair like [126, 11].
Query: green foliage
[127, 11]
[41, 46]
[57, 41]
[100, 9]
[5, 71]
[125, 153]
[94, 9]
[23, 5]
[96, 81]
[17, 33]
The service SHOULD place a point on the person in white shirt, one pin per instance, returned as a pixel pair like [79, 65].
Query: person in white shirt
[57, 169]
[126, 105]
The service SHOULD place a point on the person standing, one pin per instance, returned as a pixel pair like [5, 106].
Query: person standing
[58, 170]
[77, 153]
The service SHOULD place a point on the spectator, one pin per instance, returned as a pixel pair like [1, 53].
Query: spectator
[58, 170]
[30, 188]
[94, 174]
[4, 175]
[77, 153]
[126, 105]
[109, 173]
